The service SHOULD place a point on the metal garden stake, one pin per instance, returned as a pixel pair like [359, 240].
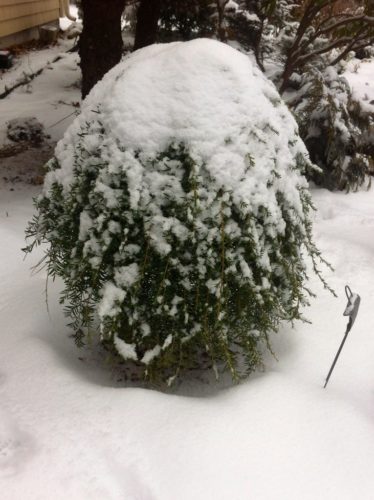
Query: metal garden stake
[351, 310]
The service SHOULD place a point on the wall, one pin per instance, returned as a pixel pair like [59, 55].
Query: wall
[17, 16]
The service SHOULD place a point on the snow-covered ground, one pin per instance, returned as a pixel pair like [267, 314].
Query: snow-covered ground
[69, 429]
[360, 75]
[50, 97]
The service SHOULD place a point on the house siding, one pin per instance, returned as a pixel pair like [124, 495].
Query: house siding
[17, 16]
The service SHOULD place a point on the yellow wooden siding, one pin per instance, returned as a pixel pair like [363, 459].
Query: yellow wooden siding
[26, 14]
[15, 2]
[26, 9]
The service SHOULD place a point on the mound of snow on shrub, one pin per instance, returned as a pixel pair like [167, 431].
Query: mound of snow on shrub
[202, 93]
[177, 210]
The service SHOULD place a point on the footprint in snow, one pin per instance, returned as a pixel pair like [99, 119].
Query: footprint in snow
[16, 447]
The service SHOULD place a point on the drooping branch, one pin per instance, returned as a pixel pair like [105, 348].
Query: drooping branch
[367, 20]
[354, 44]
[327, 48]
[346, 32]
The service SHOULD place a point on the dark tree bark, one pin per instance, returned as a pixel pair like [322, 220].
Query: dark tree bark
[221, 31]
[100, 44]
[147, 17]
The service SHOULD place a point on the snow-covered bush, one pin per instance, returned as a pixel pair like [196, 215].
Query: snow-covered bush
[334, 128]
[176, 211]
[251, 24]
[302, 54]
[26, 129]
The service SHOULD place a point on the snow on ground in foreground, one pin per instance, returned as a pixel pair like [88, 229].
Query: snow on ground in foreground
[68, 430]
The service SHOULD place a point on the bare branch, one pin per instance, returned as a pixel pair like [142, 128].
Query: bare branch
[344, 22]
[327, 48]
[354, 45]
[298, 53]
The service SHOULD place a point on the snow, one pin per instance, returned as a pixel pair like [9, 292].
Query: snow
[112, 295]
[360, 76]
[151, 354]
[52, 98]
[127, 351]
[69, 429]
[127, 275]
[201, 98]
[66, 23]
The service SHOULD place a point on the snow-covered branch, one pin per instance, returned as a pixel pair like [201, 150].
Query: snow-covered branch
[315, 38]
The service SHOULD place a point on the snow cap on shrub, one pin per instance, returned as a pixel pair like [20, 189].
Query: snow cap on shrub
[176, 209]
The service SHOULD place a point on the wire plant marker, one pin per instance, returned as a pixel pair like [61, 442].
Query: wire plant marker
[351, 310]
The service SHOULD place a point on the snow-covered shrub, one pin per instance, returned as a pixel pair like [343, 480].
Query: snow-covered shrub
[26, 129]
[244, 24]
[334, 128]
[248, 25]
[176, 211]
[301, 53]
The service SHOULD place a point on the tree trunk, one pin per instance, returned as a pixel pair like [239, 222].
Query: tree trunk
[147, 17]
[100, 44]
[286, 75]
[221, 31]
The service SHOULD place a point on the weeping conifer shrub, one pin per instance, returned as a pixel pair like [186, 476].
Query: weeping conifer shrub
[180, 226]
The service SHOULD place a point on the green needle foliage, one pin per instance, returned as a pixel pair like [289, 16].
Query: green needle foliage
[219, 291]
[336, 131]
